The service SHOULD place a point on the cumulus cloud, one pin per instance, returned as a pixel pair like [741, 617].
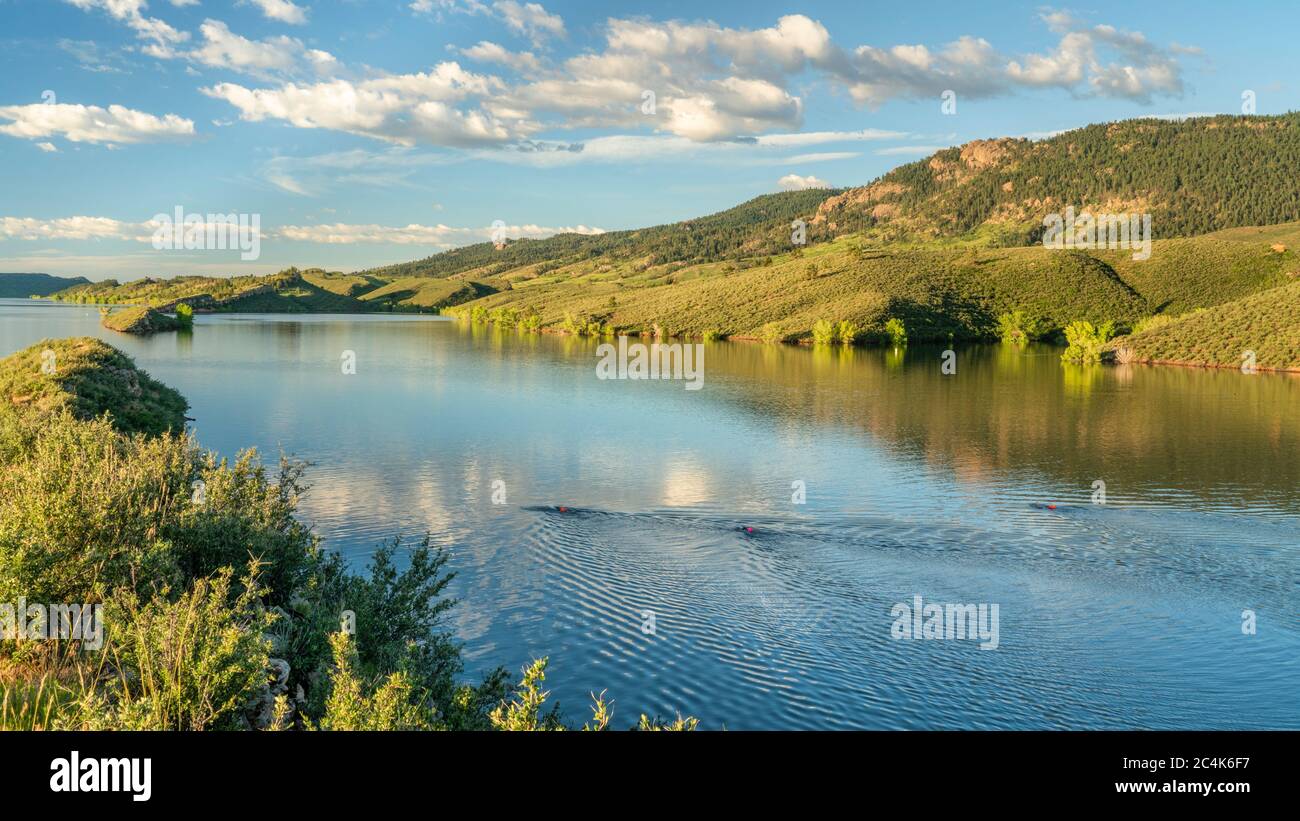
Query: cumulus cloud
[696, 80]
[406, 109]
[115, 125]
[529, 19]
[270, 57]
[282, 10]
[794, 182]
[488, 52]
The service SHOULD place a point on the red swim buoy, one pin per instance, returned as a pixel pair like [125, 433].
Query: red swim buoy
[1051, 507]
[564, 510]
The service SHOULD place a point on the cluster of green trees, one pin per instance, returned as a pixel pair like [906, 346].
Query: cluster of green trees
[221, 609]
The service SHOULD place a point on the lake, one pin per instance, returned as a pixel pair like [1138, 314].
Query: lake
[868, 478]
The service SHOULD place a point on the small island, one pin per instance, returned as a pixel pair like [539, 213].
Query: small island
[143, 321]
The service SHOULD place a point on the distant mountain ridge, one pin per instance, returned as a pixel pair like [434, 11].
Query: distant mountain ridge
[18, 286]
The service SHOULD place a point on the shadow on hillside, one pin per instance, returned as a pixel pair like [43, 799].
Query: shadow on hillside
[945, 315]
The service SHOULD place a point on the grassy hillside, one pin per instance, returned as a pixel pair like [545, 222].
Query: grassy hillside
[760, 226]
[290, 291]
[423, 293]
[936, 290]
[1266, 323]
[21, 286]
[88, 377]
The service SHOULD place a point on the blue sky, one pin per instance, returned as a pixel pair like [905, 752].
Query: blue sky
[364, 133]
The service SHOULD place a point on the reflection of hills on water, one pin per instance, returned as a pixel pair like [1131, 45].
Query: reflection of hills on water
[1220, 435]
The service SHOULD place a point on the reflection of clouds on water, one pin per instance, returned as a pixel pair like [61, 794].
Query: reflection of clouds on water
[686, 482]
[369, 505]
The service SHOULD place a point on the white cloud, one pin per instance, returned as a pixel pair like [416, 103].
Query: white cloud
[437, 235]
[529, 19]
[794, 182]
[73, 228]
[282, 10]
[699, 81]
[313, 175]
[626, 148]
[161, 36]
[488, 52]
[406, 109]
[224, 49]
[49, 148]
[116, 125]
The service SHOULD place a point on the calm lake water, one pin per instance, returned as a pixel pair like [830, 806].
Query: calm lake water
[1127, 614]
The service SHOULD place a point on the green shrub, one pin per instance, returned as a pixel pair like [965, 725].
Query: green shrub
[823, 332]
[189, 664]
[1018, 329]
[532, 321]
[525, 711]
[846, 332]
[83, 509]
[895, 332]
[1086, 342]
[185, 315]
[772, 333]
[353, 705]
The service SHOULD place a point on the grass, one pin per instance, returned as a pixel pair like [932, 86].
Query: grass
[1267, 323]
[141, 320]
[88, 378]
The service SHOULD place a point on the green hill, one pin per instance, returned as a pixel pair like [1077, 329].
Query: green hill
[141, 320]
[758, 227]
[1266, 323]
[1193, 176]
[21, 286]
[89, 378]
